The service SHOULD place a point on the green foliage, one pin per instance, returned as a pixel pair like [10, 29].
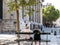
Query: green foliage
[32, 2]
[20, 3]
[13, 5]
[50, 13]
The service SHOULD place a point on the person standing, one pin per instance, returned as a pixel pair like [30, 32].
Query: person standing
[37, 37]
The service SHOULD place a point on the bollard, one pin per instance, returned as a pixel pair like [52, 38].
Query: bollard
[55, 33]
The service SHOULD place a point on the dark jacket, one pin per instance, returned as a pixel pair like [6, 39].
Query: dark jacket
[37, 35]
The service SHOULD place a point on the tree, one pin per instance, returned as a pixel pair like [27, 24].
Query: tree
[14, 5]
[50, 14]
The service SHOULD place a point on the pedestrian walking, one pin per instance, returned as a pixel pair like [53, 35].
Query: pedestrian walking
[37, 37]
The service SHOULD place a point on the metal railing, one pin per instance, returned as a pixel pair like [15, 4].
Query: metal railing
[26, 41]
[19, 40]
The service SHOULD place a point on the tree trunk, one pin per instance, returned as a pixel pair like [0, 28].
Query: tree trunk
[17, 22]
[17, 25]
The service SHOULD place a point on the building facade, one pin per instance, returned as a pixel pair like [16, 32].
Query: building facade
[36, 18]
[10, 18]
[37, 14]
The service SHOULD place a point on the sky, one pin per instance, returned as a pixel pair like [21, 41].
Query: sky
[56, 3]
